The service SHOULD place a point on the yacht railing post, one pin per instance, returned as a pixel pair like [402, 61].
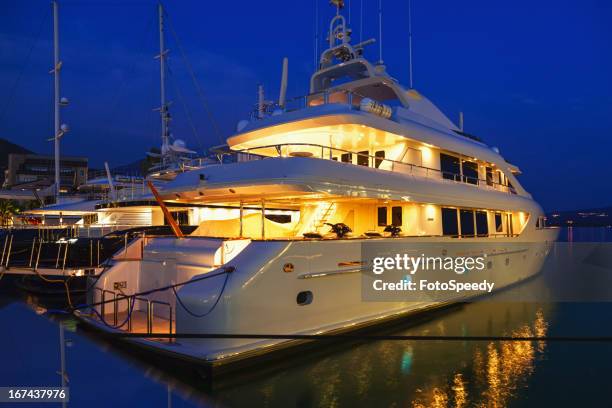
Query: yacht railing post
[241, 219]
[149, 317]
[8, 255]
[59, 250]
[170, 318]
[38, 255]
[129, 310]
[32, 252]
[263, 219]
[4, 249]
[65, 256]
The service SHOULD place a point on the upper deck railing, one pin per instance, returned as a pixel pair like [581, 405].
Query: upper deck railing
[366, 160]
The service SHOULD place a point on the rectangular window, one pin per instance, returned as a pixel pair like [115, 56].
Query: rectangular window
[181, 217]
[382, 216]
[467, 223]
[380, 156]
[482, 228]
[346, 157]
[470, 172]
[489, 176]
[498, 223]
[363, 158]
[449, 222]
[449, 166]
[396, 216]
[335, 158]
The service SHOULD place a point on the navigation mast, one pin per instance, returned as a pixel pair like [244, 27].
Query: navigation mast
[163, 109]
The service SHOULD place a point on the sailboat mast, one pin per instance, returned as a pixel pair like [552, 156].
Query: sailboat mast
[162, 71]
[56, 98]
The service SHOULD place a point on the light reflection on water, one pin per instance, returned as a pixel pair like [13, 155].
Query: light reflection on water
[383, 373]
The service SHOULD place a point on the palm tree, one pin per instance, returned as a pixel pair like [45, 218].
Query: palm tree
[7, 210]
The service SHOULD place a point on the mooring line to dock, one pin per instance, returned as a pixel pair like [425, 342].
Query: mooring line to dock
[224, 270]
[591, 339]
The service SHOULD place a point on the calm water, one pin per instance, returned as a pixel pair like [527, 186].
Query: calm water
[383, 373]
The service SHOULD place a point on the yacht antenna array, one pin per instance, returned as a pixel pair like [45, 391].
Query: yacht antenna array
[380, 49]
[316, 35]
[163, 109]
[410, 41]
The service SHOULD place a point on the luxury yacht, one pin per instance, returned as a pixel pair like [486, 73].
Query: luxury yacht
[358, 160]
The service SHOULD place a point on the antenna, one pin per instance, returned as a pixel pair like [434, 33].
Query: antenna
[316, 35]
[380, 53]
[361, 21]
[283, 86]
[165, 117]
[260, 101]
[410, 41]
[461, 121]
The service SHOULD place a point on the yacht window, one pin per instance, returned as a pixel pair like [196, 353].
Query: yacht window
[380, 156]
[449, 222]
[90, 219]
[335, 158]
[450, 166]
[347, 157]
[470, 172]
[489, 176]
[396, 216]
[382, 216]
[363, 158]
[482, 228]
[181, 217]
[498, 223]
[467, 222]
[511, 187]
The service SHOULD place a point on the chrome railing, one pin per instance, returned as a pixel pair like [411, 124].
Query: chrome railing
[366, 160]
[116, 297]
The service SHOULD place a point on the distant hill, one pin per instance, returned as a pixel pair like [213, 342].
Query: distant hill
[7, 148]
[597, 217]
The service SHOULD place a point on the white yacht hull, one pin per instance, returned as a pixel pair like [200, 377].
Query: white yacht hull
[259, 296]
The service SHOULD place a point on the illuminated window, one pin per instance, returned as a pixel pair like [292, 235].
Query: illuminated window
[363, 159]
[382, 216]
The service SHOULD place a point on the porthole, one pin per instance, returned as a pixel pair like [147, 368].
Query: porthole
[507, 261]
[288, 267]
[304, 298]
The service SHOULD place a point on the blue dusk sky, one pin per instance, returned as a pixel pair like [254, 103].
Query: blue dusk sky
[532, 77]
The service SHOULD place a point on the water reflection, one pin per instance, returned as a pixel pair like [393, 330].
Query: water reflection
[384, 373]
[416, 373]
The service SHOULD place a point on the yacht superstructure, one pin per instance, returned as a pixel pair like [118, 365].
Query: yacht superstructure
[360, 154]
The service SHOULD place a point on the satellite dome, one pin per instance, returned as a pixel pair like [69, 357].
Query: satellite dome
[179, 143]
